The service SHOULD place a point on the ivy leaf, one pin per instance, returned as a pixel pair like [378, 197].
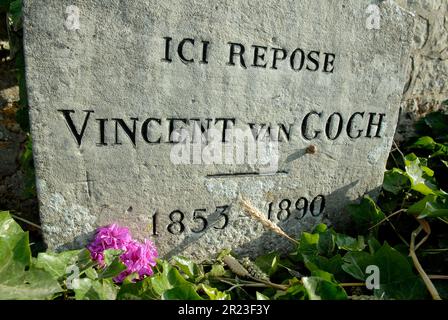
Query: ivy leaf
[18, 278]
[322, 286]
[187, 266]
[435, 209]
[213, 293]
[332, 265]
[268, 263]
[308, 244]
[395, 181]
[420, 175]
[326, 244]
[217, 271]
[356, 263]
[295, 291]
[17, 284]
[56, 263]
[9, 229]
[141, 290]
[15, 11]
[261, 296]
[160, 283]
[348, 243]
[91, 273]
[85, 261]
[425, 142]
[437, 122]
[396, 277]
[4, 5]
[365, 214]
[168, 279]
[110, 255]
[374, 244]
[112, 270]
[430, 206]
[88, 289]
[182, 292]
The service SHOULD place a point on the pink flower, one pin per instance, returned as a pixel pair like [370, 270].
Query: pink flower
[109, 237]
[138, 257]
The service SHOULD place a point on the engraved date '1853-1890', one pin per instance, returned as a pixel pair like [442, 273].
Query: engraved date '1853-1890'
[179, 222]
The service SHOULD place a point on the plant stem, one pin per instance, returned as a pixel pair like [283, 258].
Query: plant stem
[353, 284]
[437, 277]
[26, 221]
[429, 285]
[387, 218]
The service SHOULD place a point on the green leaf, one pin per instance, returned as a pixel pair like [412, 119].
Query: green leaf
[91, 273]
[18, 279]
[56, 263]
[15, 11]
[348, 243]
[425, 142]
[88, 289]
[438, 122]
[326, 244]
[261, 296]
[430, 206]
[295, 291]
[15, 282]
[396, 181]
[396, 276]
[168, 279]
[356, 264]
[374, 244]
[319, 288]
[320, 228]
[191, 269]
[182, 292]
[308, 244]
[9, 229]
[141, 290]
[213, 293]
[365, 214]
[84, 260]
[4, 5]
[15, 239]
[30, 285]
[160, 283]
[268, 263]
[420, 175]
[332, 265]
[110, 255]
[217, 271]
[112, 270]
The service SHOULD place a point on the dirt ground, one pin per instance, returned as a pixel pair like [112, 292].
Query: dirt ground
[12, 138]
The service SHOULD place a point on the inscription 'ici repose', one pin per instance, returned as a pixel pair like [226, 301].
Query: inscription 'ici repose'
[257, 56]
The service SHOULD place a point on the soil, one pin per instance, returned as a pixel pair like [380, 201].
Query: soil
[12, 180]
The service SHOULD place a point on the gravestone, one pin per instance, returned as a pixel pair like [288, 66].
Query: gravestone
[161, 115]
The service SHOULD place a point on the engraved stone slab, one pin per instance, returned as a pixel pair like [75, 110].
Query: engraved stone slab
[138, 109]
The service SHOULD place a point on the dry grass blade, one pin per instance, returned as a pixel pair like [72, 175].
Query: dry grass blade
[253, 212]
[429, 285]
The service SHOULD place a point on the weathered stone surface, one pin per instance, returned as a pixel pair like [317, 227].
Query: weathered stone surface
[112, 64]
[427, 85]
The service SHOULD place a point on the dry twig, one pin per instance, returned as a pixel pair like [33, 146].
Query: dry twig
[429, 285]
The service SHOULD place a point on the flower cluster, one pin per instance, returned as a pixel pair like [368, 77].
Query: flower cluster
[138, 257]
